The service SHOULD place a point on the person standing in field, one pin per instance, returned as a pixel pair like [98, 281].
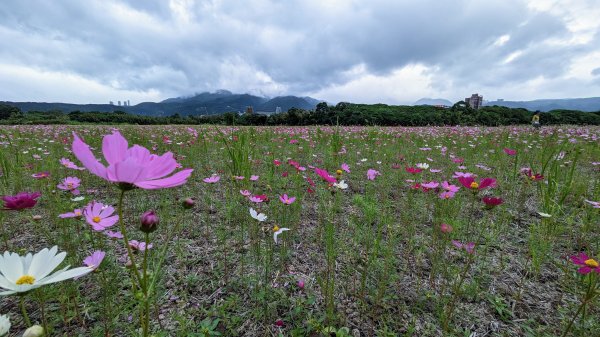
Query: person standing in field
[535, 120]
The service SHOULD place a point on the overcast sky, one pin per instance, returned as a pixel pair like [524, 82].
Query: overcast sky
[367, 51]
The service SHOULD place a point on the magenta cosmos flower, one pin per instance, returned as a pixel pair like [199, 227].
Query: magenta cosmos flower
[130, 165]
[21, 200]
[99, 216]
[469, 182]
[588, 264]
[325, 175]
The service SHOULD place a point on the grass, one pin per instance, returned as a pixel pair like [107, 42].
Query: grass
[372, 257]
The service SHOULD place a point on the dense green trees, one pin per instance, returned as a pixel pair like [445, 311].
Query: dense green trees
[342, 113]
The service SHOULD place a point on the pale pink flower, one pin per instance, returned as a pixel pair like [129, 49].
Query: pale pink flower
[245, 193]
[371, 174]
[93, 261]
[346, 167]
[287, 200]
[100, 216]
[212, 179]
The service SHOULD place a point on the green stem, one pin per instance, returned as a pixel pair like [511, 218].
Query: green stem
[136, 273]
[24, 311]
[146, 322]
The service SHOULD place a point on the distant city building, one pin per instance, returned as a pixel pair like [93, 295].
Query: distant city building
[500, 99]
[475, 101]
[119, 103]
[249, 110]
[111, 102]
[278, 110]
[128, 104]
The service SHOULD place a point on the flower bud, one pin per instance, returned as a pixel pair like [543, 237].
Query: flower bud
[301, 284]
[445, 228]
[279, 323]
[149, 222]
[188, 203]
[34, 331]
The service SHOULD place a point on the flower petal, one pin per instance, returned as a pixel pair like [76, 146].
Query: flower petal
[177, 179]
[114, 147]
[82, 151]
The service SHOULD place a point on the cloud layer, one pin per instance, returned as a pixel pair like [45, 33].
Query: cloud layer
[338, 50]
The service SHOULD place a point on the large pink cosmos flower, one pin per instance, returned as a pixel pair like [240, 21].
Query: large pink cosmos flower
[325, 175]
[100, 216]
[70, 184]
[130, 165]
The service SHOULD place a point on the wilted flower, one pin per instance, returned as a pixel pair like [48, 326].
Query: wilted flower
[24, 273]
[277, 231]
[41, 175]
[21, 200]
[188, 203]
[445, 228]
[114, 235]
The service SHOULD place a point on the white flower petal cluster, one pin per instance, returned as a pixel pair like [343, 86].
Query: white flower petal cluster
[258, 216]
[20, 274]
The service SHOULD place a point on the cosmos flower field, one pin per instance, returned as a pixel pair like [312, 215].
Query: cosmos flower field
[300, 231]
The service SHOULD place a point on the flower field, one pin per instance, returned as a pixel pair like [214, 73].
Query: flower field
[299, 231]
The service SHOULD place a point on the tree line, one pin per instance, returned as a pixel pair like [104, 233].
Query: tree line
[324, 114]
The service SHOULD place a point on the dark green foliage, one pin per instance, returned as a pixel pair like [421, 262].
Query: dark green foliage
[341, 114]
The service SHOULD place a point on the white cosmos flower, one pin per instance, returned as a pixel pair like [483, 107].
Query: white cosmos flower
[258, 216]
[4, 325]
[423, 166]
[277, 231]
[23, 273]
[341, 185]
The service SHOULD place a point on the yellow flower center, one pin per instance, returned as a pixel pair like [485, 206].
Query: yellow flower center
[96, 219]
[474, 185]
[591, 263]
[78, 213]
[25, 279]
[338, 172]
[69, 185]
[275, 229]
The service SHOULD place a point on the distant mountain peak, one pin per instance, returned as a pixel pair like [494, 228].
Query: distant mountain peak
[433, 101]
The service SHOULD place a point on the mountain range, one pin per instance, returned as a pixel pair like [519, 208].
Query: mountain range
[221, 101]
[205, 103]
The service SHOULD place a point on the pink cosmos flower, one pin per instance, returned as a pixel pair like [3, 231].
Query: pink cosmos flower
[99, 216]
[431, 185]
[469, 182]
[371, 174]
[345, 167]
[69, 164]
[449, 187]
[325, 175]
[435, 170]
[462, 174]
[239, 177]
[139, 246]
[20, 201]
[131, 166]
[287, 200]
[469, 247]
[595, 204]
[254, 178]
[93, 261]
[114, 235]
[510, 152]
[212, 179]
[447, 195]
[75, 214]
[245, 193]
[258, 198]
[41, 175]
[70, 184]
[588, 264]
